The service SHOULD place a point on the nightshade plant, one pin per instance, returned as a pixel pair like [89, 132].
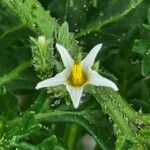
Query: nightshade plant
[76, 74]
[46, 119]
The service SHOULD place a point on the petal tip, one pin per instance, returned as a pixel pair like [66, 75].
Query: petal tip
[99, 45]
[58, 45]
[37, 87]
[116, 88]
[75, 105]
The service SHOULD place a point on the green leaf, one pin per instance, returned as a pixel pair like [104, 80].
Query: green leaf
[146, 64]
[90, 119]
[38, 20]
[16, 75]
[42, 23]
[23, 129]
[123, 144]
[143, 47]
[7, 25]
[8, 105]
[36, 107]
[109, 22]
[7, 62]
[97, 21]
[48, 143]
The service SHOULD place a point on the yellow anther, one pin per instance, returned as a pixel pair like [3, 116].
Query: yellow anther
[77, 76]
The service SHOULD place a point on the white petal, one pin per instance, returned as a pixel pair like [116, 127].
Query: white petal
[89, 59]
[98, 80]
[58, 79]
[66, 58]
[75, 94]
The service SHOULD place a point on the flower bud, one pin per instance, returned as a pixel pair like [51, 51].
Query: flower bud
[42, 41]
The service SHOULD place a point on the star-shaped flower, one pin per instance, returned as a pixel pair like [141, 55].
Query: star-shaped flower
[77, 74]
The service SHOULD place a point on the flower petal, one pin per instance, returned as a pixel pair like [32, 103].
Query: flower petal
[98, 80]
[66, 58]
[75, 94]
[89, 59]
[58, 79]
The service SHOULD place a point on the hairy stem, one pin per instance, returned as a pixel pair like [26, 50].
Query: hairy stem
[117, 109]
[130, 124]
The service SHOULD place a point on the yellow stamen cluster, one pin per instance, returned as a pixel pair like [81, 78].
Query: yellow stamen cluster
[77, 76]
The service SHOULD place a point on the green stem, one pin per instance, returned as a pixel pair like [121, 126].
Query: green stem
[117, 109]
[91, 27]
[66, 10]
[71, 135]
[94, 3]
[15, 73]
[120, 143]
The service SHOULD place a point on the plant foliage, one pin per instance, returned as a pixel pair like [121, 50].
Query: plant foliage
[46, 119]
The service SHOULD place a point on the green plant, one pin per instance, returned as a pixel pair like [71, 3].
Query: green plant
[46, 119]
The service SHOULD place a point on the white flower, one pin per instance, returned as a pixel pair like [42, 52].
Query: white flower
[77, 74]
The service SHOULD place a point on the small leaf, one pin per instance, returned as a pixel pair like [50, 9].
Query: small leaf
[143, 47]
[48, 143]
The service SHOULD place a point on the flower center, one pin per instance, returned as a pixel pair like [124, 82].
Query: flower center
[77, 76]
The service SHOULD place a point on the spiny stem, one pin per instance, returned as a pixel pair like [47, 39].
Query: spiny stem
[15, 73]
[129, 122]
[118, 110]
